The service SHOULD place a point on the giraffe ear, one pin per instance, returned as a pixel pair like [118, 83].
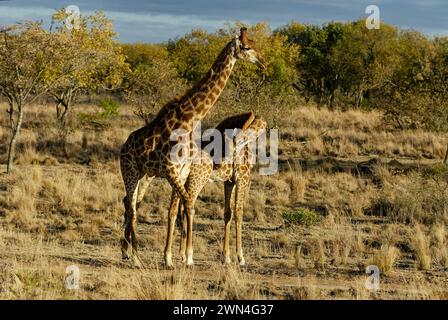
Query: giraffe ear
[244, 38]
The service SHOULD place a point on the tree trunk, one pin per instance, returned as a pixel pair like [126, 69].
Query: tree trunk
[61, 112]
[321, 93]
[15, 129]
[359, 98]
[58, 111]
[331, 100]
[11, 153]
[63, 103]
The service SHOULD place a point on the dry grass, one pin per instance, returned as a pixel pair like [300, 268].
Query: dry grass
[351, 134]
[318, 253]
[23, 198]
[421, 247]
[385, 258]
[297, 183]
[63, 206]
[299, 261]
[413, 199]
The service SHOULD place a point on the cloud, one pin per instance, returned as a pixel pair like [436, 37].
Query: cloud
[163, 19]
[159, 20]
[12, 14]
[158, 27]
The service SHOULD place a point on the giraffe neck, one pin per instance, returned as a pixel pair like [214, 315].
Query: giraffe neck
[200, 99]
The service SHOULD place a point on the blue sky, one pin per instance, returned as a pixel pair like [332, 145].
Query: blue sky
[160, 20]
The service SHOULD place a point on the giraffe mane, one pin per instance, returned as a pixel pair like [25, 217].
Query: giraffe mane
[220, 59]
[180, 99]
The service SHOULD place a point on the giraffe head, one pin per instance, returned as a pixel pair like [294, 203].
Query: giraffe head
[246, 50]
[259, 123]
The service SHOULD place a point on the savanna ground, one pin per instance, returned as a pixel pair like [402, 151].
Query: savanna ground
[350, 192]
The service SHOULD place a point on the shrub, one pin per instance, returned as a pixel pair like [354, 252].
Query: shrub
[302, 216]
[110, 108]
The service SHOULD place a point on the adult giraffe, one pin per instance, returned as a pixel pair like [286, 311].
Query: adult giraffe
[147, 151]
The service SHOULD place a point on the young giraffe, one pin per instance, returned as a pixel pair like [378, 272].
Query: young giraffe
[147, 151]
[234, 173]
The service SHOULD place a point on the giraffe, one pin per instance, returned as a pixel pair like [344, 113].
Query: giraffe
[234, 174]
[147, 151]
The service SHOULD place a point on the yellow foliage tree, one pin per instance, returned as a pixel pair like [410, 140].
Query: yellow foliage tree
[90, 58]
[26, 73]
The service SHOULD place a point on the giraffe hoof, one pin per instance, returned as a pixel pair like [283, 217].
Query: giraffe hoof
[125, 256]
[124, 250]
[169, 261]
[225, 259]
[242, 261]
[169, 266]
[190, 262]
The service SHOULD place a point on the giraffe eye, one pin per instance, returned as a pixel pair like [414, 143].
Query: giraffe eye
[245, 48]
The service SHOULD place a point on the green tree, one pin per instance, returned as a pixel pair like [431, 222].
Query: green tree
[439, 80]
[280, 57]
[152, 80]
[408, 98]
[194, 53]
[365, 59]
[318, 73]
[144, 53]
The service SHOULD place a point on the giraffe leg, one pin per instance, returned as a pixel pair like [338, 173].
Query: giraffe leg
[189, 209]
[130, 217]
[188, 204]
[183, 240]
[228, 188]
[240, 196]
[174, 205]
[197, 179]
[189, 213]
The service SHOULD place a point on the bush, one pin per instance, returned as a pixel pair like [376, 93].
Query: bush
[302, 216]
[110, 108]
